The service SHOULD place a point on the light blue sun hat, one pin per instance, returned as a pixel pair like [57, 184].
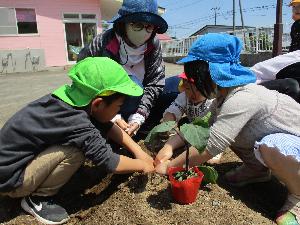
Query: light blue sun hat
[222, 52]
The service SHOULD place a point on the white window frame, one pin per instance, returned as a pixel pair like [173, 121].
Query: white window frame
[21, 35]
[80, 21]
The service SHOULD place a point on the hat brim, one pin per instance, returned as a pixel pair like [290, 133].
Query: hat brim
[146, 17]
[66, 92]
[225, 74]
[230, 75]
[188, 58]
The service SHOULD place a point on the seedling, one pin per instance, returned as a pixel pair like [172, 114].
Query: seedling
[195, 134]
[183, 175]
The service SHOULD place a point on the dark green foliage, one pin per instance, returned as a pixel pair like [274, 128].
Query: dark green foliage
[202, 121]
[161, 128]
[210, 174]
[196, 136]
[183, 175]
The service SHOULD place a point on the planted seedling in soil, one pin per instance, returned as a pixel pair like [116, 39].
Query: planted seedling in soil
[195, 134]
[183, 175]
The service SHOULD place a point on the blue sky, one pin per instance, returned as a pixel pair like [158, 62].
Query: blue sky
[187, 16]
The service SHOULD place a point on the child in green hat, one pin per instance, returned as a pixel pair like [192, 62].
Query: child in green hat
[44, 144]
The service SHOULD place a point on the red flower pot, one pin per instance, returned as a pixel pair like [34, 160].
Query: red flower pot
[185, 192]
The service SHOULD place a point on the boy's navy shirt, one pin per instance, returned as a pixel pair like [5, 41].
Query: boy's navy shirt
[46, 122]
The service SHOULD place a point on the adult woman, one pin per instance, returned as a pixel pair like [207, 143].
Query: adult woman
[245, 113]
[132, 43]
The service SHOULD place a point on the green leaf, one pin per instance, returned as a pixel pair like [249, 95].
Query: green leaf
[202, 121]
[210, 174]
[161, 128]
[183, 175]
[196, 136]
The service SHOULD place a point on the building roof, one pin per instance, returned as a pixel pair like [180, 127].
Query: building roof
[218, 26]
[163, 37]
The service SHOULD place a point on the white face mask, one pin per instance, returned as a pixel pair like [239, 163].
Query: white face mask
[137, 38]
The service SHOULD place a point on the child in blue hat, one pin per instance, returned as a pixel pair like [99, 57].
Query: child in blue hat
[247, 117]
[189, 102]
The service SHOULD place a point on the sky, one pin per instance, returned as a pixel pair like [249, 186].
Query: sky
[185, 17]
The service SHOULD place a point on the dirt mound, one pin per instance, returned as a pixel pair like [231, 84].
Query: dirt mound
[94, 198]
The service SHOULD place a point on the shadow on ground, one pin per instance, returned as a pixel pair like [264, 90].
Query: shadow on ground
[265, 198]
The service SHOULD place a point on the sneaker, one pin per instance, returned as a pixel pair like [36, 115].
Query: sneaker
[44, 210]
[243, 175]
[289, 214]
[286, 218]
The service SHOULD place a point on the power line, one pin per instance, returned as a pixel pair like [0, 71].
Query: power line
[197, 22]
[226, 13]
[187, 5]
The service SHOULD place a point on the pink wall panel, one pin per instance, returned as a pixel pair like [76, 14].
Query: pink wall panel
[51, 35]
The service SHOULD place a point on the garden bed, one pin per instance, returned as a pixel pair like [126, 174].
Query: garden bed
[94, 198]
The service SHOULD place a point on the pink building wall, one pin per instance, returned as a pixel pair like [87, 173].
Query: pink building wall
[50, 24]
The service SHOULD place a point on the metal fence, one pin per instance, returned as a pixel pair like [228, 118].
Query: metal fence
[254, 40]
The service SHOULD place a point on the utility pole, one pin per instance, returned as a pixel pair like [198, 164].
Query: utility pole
[241, 13]
[215, 10]
[242, 20]
[233, 18]
[278, 27]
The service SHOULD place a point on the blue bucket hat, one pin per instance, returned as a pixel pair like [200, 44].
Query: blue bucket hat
[222, 52]
[141, 11]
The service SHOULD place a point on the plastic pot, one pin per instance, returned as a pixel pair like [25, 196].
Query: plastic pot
[185, 192]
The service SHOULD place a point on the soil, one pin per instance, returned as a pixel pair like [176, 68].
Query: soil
[92, 197]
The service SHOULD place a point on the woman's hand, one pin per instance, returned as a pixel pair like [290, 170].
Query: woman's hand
[163, 155]
[132, 129]
[162, 168]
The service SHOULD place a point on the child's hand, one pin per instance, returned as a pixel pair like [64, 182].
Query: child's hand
[163, 155]
[169, 117]
[162, 168]
[216, 159]
[145, 157]
[148, 168]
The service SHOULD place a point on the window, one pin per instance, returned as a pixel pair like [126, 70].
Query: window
[8, 21]
[88, 16]
[80, 29]
[26, 21]
[71, 16]
[17, 21]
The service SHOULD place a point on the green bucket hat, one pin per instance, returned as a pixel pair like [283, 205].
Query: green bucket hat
[96, 76]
